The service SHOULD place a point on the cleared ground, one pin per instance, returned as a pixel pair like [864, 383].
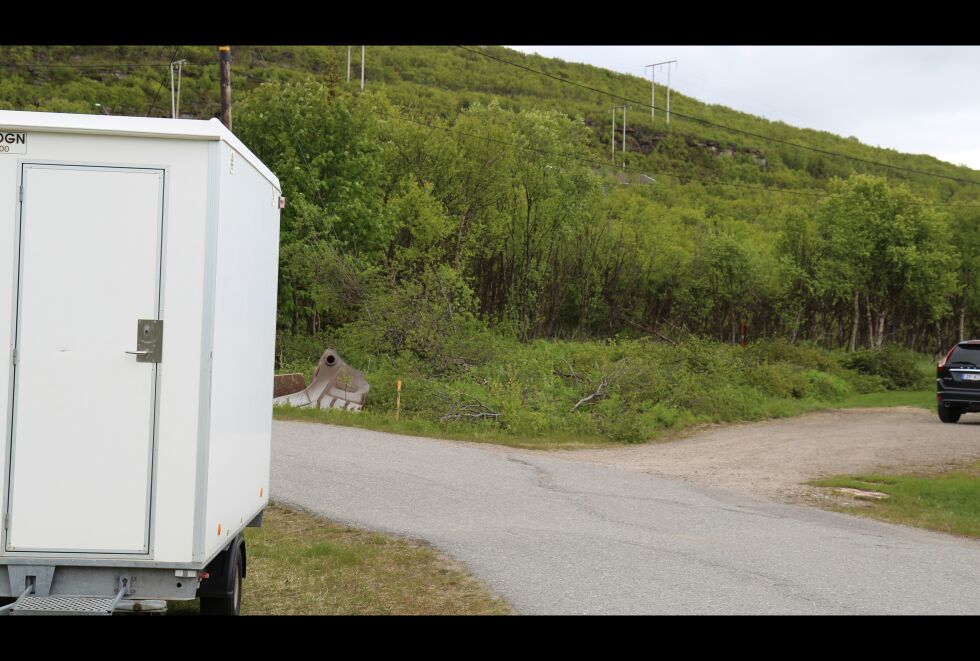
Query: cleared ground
[775, 458]
[552, 533]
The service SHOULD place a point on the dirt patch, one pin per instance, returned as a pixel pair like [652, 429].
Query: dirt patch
[775, 458]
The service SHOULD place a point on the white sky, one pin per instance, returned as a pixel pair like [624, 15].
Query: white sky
[915, 99]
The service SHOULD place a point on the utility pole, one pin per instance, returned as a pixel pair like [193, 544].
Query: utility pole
[348, 64]
[224, 61]
[653, 87]
[175, 98]
[362, 67]
[653, 92]
[624, 137]
[612, 140]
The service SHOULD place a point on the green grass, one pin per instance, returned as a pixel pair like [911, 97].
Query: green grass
[923, 399]
[300, 564]
[386, 422]
[947, 501]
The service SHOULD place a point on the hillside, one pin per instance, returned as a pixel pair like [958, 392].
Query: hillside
[443, 81]
[702, 240]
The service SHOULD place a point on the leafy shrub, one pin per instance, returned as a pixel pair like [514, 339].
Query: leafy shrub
[778, 380]
[897, 367]
[298, 352]
[828, 387]
[433, 319]
[804, 355]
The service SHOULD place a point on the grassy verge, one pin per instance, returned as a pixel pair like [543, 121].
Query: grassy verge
[299, 564]
[385, 421]
[923, 399]
[947, 501]
[557, 393]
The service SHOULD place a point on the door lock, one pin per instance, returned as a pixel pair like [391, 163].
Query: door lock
[149, 341]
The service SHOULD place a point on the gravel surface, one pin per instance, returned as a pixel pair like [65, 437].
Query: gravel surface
[553, 534]
[774, 458]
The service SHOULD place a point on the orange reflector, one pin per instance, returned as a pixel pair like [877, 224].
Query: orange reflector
[219, 530]
[261, 491]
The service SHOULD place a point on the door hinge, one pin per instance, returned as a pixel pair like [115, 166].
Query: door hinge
[13, 356]
[6, 521]
[21, 195]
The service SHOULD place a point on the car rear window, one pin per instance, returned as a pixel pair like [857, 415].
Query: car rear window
[966, 353]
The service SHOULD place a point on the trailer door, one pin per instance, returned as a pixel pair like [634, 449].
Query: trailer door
[83, 412]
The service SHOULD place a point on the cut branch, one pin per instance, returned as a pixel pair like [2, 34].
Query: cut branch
[599, 393]
[468, 410]
[648, 330]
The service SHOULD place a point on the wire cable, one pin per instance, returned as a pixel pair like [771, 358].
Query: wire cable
[163, 82]
[645, 172]
[707, 122]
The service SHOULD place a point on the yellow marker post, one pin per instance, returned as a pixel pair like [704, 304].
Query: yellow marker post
[398, 398]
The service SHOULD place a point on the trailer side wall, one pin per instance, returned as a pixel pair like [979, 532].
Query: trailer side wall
[242, 368]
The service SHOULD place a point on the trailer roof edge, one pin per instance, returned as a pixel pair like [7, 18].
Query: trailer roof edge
[24, 121]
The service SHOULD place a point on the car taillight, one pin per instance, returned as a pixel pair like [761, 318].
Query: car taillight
[942, 363]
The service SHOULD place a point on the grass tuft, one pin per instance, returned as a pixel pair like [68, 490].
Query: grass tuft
[945, 500]
[299, 564]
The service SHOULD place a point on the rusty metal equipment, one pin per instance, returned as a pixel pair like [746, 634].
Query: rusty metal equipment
[335, 384]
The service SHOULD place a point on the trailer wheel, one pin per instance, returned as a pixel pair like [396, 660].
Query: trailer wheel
[230, 604]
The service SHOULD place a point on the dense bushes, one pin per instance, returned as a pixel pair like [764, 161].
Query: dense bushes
[898, 368]
[448, 159]
[626, 390]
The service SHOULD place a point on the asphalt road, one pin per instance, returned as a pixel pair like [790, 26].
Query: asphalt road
[557, 535]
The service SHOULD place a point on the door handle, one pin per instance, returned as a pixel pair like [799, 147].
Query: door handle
[149, 341]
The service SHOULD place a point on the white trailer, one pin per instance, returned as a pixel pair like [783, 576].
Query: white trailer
[138, 272]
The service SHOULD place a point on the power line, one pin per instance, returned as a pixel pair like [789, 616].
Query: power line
[722, 126]
[69, 65]
[163, 82]
[680, 177]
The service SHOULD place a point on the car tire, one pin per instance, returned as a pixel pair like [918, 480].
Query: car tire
[230, 605]
[948, 414]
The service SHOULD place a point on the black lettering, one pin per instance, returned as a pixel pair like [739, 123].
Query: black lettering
[21, 139]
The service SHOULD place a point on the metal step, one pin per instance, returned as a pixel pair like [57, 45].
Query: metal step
[29, 604]
[64, 605]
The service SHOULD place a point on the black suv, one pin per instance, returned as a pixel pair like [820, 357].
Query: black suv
[958, 381]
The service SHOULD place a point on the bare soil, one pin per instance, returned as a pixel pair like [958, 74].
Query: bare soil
[775, 459]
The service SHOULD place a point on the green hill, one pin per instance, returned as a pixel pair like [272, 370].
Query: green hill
[691, 238]
[445, 80]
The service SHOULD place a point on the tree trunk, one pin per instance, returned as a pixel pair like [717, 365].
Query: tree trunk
[881, 330]
[962, 322]
[871, 326]
[857, 321]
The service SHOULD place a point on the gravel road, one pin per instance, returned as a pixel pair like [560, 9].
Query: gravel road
[774, 458]
[553, 533]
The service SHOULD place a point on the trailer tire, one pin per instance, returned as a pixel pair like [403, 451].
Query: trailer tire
[230, 605]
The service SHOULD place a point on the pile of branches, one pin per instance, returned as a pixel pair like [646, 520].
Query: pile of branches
[601, 388]
[467, 407]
